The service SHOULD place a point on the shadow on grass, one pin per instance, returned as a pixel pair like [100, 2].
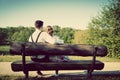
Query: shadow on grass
[60, 78]
[97, 75]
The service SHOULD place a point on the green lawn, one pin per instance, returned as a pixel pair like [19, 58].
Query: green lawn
[10, 58]
[104, 59]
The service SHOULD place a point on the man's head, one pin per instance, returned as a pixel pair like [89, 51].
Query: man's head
[49, 30]
[38, 24]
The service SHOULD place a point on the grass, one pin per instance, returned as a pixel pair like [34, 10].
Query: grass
[4, 48]
[104, 59]
[6, 77]
[11, 58]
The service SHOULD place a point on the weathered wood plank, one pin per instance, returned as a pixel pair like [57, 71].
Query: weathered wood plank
[48, 49]
[71, 65]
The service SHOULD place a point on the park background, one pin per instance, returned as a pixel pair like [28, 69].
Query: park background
[103, 28]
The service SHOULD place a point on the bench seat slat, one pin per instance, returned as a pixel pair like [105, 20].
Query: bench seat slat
[72, 65]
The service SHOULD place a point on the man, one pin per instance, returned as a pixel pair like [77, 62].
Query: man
[39, 36]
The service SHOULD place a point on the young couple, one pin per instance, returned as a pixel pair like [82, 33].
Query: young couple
[45, 37]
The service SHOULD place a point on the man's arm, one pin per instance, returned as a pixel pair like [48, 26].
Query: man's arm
[48, 38]
[29, 40]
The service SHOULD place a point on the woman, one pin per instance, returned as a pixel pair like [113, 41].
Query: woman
[50, 31]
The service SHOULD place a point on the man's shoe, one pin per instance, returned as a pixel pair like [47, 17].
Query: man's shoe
[39, 73]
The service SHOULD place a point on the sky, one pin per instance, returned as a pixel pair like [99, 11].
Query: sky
[65, 13]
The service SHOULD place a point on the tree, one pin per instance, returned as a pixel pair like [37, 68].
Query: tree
[57, 30]
[67, 34]
[23, 34]
[81, 36]
[3, 36]
[104, 29]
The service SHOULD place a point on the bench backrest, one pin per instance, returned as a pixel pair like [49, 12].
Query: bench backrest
[48, 49]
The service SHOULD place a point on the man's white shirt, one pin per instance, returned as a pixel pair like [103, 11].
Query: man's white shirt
[44, 37]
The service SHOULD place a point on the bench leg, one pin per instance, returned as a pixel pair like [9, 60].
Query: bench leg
[89, 74]
[56, 72]
[26, 74]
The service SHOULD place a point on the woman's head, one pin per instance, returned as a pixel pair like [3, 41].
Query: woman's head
[49, 30]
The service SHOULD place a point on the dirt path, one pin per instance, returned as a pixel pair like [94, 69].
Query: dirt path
[5, 69]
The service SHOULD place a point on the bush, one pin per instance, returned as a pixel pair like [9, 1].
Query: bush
[104, 29]
[4, 50]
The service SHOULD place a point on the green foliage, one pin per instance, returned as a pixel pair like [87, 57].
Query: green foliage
[104, 29]
[3, 36]
[81, 36]
[13, 33]
[67, 34]
[4, 50]
[22, 35]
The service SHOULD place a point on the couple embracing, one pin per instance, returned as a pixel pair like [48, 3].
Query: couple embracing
[40, 36]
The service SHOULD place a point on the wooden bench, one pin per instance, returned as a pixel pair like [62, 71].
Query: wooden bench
[31, 49]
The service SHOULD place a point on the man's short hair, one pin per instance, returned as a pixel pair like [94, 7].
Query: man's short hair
[38, 23]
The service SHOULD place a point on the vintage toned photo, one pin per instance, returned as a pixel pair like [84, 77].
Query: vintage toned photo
[59, 39]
